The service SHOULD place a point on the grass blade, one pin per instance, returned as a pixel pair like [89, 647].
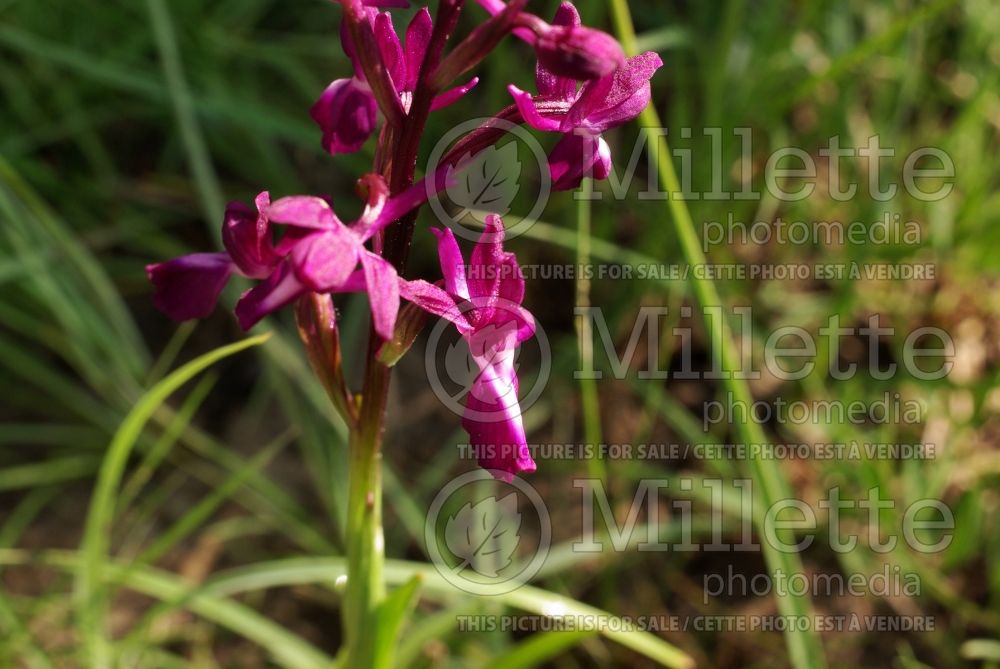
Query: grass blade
[96, 540]
[804, 646]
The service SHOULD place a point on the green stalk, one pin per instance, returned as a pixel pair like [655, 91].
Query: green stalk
[804, 648]
[365, 624]
[365, 542]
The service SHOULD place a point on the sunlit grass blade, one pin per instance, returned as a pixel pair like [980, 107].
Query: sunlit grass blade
[527, 598]
[289, 651]
[53, 470]
[201, 511]
[539, 648]
[391, 618]
[590, 405]
[95, 546]
[199, 159]
[804, 647]
[161, 447]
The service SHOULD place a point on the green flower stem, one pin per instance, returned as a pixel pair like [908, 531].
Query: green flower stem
[804, 648]
[365, 540]
[365, 543]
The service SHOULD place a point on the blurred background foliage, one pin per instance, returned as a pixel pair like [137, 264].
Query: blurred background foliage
[124, 128]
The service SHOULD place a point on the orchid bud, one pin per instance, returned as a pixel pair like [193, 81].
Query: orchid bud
[316, 318]
[411, 320]
[577, 52]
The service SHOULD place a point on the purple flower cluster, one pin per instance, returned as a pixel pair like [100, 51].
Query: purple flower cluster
[297, 246]
[347, 110]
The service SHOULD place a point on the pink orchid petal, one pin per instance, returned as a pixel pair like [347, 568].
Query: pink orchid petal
[390, 48]
[620, 114]
[578, 52]
[493, 420]
[488, 262]
[453, 95]
[526, 105]
[602, 165]
[525, 323]
[548, 83]
[492, 344]
[511, 288]
[303, 211]
[354, 283]
[418, 36]
[575, 156]
[189, 287]
[452, 263]
[246, 234]
[616, 99]
[434, 300]
[383, 293]
[324, 260]
[278, 290]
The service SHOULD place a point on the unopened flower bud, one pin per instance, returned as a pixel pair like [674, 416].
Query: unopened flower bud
[409, 323]
[578, 52]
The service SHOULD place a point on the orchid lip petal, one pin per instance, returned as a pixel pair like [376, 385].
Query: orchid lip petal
[574, 158]
[493, 420]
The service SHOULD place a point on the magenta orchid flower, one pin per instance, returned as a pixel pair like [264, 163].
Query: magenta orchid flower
[188, 287]
[483, 301]
[568, 49]
[347, 111]
[317, 253]
[582, 114]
